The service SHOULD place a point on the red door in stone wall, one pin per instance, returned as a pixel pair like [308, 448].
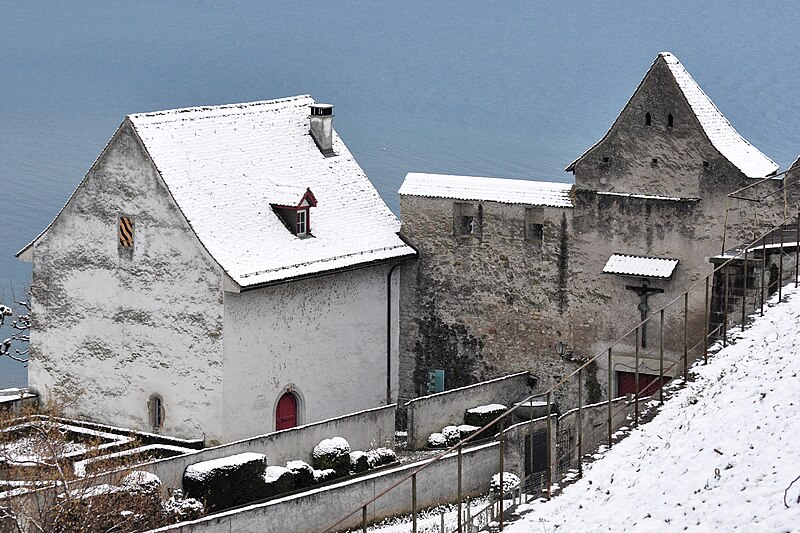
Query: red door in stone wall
[286, 415]
[648, 384]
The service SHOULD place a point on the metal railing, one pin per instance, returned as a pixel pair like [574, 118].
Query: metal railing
[685, 335]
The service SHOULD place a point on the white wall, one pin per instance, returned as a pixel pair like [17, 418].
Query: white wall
[324, 336]
[111, 330]
[364, 430]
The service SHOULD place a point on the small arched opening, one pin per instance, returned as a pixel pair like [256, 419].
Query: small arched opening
[286, 412]
[648, 119]
[670, 120]
[155, 411]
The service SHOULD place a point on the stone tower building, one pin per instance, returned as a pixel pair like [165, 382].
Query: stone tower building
[503, 276]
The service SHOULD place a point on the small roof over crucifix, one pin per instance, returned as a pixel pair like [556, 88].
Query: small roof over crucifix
[639, 266]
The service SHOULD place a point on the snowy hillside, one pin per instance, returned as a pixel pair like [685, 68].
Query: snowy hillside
[718, 457]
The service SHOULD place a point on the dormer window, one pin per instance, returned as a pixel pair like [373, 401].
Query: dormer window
[293, 207]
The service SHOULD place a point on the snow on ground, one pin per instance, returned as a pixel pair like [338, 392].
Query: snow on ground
[718, 457]
[430, 520]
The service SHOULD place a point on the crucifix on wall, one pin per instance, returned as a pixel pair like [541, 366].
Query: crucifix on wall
[644, 293]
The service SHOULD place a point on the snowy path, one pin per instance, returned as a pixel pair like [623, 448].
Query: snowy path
[717, 458]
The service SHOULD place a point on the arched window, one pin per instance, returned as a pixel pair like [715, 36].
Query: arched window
[155, 410]
[286, 412]
[669, 120]
[648, 119]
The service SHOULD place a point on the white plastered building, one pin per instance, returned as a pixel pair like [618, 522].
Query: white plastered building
[220, 272]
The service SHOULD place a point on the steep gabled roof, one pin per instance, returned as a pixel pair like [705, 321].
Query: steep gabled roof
[226, 165]
[725, 139]
[507, 191]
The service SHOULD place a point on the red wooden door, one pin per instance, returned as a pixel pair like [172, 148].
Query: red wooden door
[286, 416]
[648, 384]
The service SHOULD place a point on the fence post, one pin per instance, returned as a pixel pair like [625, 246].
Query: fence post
[661, 359]
[744, 290]
[725, 308]
[636, 381]
[686, 336]
[780, 267]
[549, 450]
[797, 252]
[441, 526]
[609, 397]
[364, 519]
[502, 466]
[763, 269]
[580, 422]
[414, 502]
[459, 488]
[706, 315]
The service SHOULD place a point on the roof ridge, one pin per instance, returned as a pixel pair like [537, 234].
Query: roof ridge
[696, 98]
[205, 108]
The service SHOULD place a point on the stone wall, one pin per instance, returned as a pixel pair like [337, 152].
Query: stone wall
[486, 304]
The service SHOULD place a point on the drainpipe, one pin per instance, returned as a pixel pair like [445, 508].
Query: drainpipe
[389, 334]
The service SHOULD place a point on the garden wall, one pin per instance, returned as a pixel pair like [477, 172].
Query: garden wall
[315, 510]
[363, 430]
[429, 414]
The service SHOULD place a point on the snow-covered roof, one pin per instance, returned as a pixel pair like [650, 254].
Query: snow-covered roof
[634, 265]
[225, 165]
[508, 191]
[725, 139]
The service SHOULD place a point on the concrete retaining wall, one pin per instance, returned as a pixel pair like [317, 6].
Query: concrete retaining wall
[363, 430]
[430, 414]
[595, 420]
[316, 510]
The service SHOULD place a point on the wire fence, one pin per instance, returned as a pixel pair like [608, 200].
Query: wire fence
[552, 449]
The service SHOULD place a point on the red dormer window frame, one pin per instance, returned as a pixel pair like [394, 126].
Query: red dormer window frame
[299, 215]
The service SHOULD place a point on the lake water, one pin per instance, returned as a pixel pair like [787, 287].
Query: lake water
[511, 89]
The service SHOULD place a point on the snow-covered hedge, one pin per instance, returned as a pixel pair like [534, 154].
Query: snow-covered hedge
[227, 482]
[465, 430]
[437, 440]
[333, 454]
[278, 480]
[451, 435]
[358, 462]
[482, 415]
[321, 476]
[303, 473]
[381, 456]
[181, 508]
[509, 482]
[140, 481]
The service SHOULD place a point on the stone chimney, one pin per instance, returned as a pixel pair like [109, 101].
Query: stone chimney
[322, 127]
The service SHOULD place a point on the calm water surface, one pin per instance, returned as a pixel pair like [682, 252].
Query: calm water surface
[512, 89]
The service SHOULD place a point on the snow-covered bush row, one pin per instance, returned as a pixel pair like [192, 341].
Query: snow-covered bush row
[450, 435]
[245, 477]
